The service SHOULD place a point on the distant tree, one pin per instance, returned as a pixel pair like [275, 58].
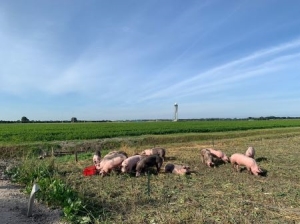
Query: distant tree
[73, 119]
[24, 119]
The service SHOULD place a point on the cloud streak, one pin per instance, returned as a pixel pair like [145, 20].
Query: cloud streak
[258, 63]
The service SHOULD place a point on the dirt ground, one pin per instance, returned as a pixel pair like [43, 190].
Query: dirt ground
[14, 205]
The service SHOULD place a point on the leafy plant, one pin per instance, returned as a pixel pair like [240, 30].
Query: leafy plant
[53, 191]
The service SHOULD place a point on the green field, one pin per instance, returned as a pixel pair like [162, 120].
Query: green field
[208, 195]
[25, 133]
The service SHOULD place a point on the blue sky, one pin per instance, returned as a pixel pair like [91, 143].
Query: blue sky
[131, 59]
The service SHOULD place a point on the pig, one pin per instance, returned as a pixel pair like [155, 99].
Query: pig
[239, 159]
[113, 153]
[129, 164]
[97, 159]
[148, 161]
[177, 169]
[207, 157]
[219, 154]
[250, 152]
[111, 162]
[155, 151]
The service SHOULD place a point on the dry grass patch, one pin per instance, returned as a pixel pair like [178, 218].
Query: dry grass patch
[208, 195]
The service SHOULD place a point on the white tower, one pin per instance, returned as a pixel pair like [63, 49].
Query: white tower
[176, 112]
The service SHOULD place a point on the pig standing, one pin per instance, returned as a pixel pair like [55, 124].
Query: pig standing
[177, 169]
[129, 164]
[207, 157]
[148, 161]
[250, 152]
[219, 154]
[111, 162]
[239, 159]
[155, 151]
[97, 159]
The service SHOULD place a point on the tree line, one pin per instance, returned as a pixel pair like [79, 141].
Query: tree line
[24, 119]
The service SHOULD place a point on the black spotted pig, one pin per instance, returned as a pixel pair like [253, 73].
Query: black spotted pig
[207, 157]
[148, 161]
[177, 169]
[155, 151]
[218, 153]
[113, 154]
[97, 159]
[250, 152]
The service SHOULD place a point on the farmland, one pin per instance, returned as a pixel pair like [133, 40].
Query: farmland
[26, 133]
[208, 195]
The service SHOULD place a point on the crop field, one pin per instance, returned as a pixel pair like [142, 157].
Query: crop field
[34, 132]
[208, 195]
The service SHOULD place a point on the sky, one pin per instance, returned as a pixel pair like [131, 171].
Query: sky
[132, 59]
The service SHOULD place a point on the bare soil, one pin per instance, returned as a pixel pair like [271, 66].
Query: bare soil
[14, 204]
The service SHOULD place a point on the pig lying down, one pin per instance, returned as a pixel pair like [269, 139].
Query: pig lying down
[177, 169]
[148, 161]
[250, 152]
[239, 159]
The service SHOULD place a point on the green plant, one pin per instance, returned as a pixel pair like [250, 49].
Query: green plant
[53, 191]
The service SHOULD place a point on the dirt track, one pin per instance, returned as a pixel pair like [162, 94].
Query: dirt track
[14, 204]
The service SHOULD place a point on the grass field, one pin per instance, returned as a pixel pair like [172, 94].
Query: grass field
[208, 195]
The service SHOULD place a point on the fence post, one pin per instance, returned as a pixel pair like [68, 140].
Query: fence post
[76, 158]
[35, 188]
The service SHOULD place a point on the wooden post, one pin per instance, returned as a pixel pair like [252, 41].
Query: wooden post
[76, 158]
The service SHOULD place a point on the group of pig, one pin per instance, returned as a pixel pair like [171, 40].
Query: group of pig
[212, 158]
[154, 158]
[139, 163]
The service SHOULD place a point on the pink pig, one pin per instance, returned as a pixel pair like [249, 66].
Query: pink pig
[239, 159]
[129, 164]
[250, 152]
[177, 169]
[218, 153]
[107, 165]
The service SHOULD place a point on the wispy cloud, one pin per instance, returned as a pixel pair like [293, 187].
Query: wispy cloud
[259, 63]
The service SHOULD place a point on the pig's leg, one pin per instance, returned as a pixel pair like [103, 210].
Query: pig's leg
[202, 159]
[234, 166]
[157, 168]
